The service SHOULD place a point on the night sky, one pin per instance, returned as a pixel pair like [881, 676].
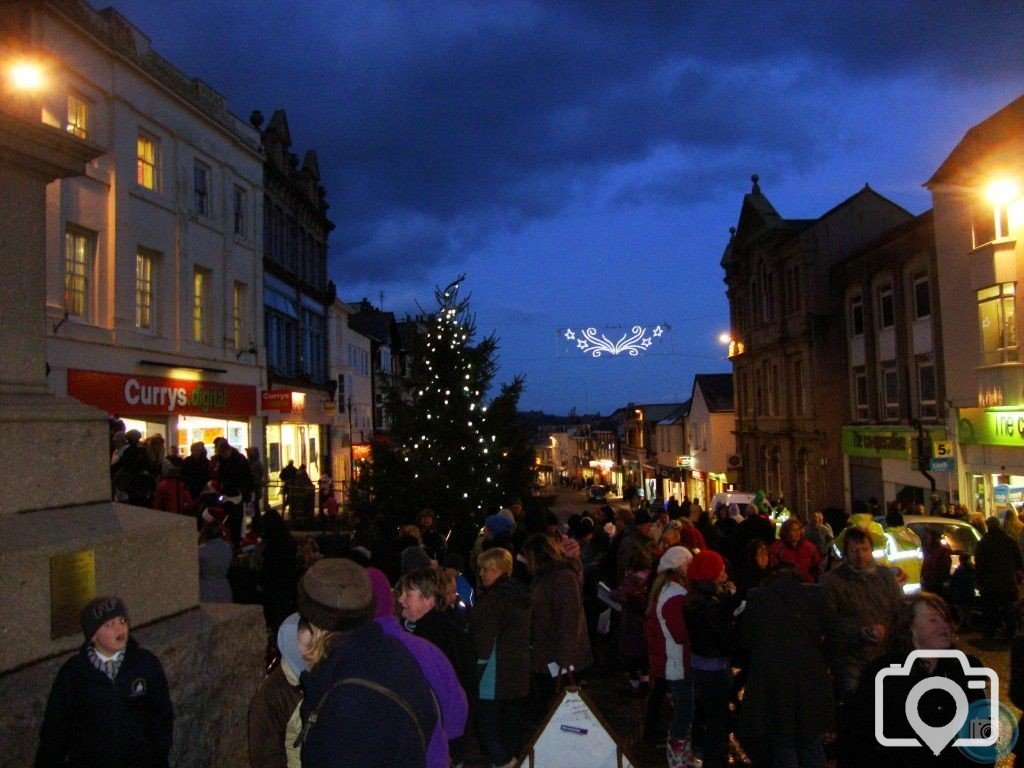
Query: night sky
[582, 162]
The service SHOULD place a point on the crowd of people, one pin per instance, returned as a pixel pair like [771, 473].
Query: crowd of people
[744, 622]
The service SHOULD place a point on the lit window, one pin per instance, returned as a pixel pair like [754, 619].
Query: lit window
[143, 289]
[78, 248]
[237, 309]
[198, 305]
[146, 151]
[78, 117]
[201, 188]
[996, 323]
[240, 202]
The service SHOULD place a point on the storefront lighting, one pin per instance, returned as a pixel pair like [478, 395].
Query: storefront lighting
[180, 367]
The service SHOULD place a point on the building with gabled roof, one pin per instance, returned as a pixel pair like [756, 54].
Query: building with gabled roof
[979, 245]
[786, 349]
[297, 297]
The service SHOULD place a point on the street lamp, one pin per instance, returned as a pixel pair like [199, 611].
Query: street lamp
[23, 85]
[735, 347]
[1002, 191]
[25, 76]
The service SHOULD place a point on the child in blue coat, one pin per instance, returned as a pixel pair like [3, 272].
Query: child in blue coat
[110, 703]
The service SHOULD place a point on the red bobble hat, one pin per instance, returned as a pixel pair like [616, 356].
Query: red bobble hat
[707, 565]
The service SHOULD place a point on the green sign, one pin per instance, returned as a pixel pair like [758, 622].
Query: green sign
[992, 426]
[878, 442]
[887, 442]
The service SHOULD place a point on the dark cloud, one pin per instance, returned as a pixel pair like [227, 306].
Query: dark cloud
[440, 124]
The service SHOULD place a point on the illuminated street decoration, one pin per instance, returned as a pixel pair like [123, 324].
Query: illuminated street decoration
[636, 341]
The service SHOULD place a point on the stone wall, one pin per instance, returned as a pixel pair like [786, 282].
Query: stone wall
[213, 657]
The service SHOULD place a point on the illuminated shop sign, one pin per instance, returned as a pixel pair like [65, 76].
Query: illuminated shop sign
[277, 400]
[992, 426]
[885, 442]
[128, 395]
[879, 443]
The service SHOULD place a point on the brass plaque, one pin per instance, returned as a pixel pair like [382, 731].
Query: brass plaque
[72, 585]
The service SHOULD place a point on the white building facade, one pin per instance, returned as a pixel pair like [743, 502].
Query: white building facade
[349, 365]
[154, 280]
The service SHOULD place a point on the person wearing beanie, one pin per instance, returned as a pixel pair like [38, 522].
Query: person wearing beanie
[358, 676]
[709, 621]
[274, 713]
[110, 703]
[413, 558]
[436, 668]
[668, 656]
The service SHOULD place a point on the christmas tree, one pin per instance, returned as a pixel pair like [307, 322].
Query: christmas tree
[443, 449]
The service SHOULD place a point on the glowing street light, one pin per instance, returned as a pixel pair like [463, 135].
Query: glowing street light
[26, 76]
[735, 347]
[1002, 191]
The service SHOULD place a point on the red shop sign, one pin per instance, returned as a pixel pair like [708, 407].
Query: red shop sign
[276, 400]
[128, 395]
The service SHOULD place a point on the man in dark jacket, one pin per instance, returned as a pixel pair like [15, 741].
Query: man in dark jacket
[366, 678]
[109, 705]
[997, 560]
[787, 703]
[233, 468]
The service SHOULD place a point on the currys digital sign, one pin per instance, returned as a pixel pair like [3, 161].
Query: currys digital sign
[138, 395]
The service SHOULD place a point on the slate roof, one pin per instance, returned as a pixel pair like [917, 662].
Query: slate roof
[717, 391]
[985, 147]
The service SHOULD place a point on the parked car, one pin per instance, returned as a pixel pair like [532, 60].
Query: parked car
[900, 547]
[597, 493]
[958, 535]
[740, 498]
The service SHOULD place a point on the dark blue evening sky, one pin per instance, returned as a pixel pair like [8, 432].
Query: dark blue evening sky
[583, 161]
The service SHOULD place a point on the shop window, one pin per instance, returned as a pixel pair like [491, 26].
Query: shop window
[997, 324]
